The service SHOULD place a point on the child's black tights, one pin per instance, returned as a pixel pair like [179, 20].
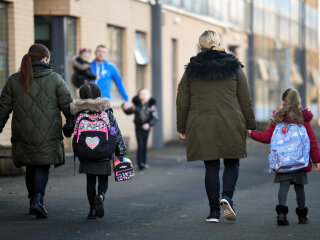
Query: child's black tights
[91, 186]
[283, 193]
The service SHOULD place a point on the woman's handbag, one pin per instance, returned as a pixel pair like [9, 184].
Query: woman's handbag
[123, 169]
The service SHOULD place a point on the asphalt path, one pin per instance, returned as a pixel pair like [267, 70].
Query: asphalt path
[167, 201]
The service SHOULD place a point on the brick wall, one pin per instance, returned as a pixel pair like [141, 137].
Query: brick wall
[20, 37]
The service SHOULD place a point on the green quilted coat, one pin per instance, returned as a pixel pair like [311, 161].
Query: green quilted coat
[36, 120]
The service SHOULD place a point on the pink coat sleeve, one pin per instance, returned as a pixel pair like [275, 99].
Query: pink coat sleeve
[264, 137]
[314, 149]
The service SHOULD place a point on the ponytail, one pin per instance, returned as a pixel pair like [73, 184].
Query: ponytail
[26, 72]
[36, 53]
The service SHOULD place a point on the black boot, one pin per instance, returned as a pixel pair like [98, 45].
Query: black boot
[92, 214]
[98, 205]
[302, 215]
[31, 197]
[37, 207]
[282, 212]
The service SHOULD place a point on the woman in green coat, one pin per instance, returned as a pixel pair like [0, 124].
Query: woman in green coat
[36, 95]
[214, 109]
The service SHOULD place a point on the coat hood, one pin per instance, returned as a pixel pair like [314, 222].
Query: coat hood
[213, 64]
[94, 105]
[136, 101]
[306, 113]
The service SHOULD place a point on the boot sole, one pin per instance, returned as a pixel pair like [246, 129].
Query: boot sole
[39, 214]
[212, 220]
[228, 213]
[282, 223]
[98, 206]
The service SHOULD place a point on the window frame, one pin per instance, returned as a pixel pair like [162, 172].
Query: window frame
[116, 97]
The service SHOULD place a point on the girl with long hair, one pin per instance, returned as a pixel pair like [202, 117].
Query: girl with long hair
[291, 112]
[35, 96]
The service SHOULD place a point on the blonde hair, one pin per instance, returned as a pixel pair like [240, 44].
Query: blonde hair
[210, 40]
[291, 107]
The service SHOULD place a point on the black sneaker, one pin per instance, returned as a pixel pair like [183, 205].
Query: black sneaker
[98, 206]
[229, 212]
[213, 217]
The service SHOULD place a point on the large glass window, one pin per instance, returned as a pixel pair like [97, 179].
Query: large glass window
[237, 12]
[142, 59]
[295, 10]
[258, 20]
[284, 30]
[115, 55]
[284, 7]
[3, 46]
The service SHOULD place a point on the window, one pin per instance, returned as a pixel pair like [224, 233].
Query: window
[142, 59]
[3, 46]
[115, 55]
[284, 25]
[258, 20]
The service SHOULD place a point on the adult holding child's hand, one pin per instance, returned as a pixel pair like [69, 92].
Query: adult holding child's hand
[214, 110]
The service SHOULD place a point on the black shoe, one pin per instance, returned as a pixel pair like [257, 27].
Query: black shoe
[302, 215]
[213, 216]
[282, 212]
[37, 207]
[98, 205]
[92, 214]
[229, 212]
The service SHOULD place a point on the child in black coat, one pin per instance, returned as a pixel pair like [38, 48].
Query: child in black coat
[82, 69]
[93, 105]
[145, 117]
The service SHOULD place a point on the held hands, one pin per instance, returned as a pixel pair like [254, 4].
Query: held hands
[183, 136]
[146, 126]
[316, 166]
[125, 106]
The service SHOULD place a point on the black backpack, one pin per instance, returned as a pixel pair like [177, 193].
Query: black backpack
[93, 137]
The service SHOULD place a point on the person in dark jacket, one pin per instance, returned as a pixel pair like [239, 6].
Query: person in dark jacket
[92, 103]
[291, 112]
[82, 69]
[36, 95]
[214, 109]
[145, 117]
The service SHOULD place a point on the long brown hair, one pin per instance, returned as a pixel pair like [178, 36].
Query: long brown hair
[291, 107]
[36, 53]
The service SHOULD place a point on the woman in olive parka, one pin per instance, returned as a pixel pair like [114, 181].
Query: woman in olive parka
[36, 95]
[214, 109]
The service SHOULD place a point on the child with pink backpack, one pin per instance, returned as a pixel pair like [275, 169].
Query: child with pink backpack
[293, 149]
[96, 139]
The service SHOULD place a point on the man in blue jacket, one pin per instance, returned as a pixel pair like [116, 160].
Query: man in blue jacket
[107, 72]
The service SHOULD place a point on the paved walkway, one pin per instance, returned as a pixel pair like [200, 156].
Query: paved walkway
[167, 201]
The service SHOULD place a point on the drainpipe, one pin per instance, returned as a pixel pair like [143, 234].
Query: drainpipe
[157, 70]
[302, 58]
[251, 54]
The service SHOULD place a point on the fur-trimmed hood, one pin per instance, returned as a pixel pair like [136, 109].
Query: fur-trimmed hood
[213, 64]
[94, 105]
[136, 101]
[306, 113]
